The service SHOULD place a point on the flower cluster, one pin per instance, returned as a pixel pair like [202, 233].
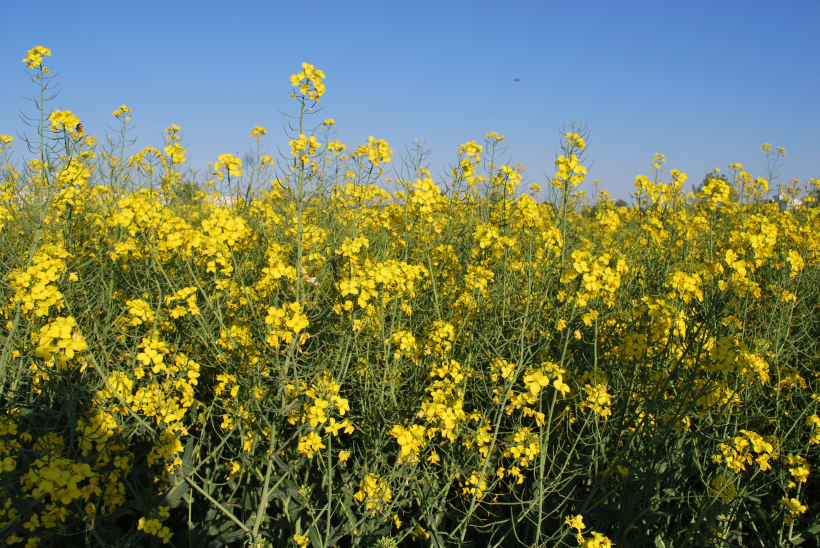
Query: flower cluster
[569, 170]
[374, 492]
[309, 82]
[63, 120]
[230, 163]
[34, 58]
[376, 151]
[5, 142]
[304, 147]
[123, 111]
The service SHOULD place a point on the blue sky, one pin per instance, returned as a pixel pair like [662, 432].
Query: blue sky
[705, 83]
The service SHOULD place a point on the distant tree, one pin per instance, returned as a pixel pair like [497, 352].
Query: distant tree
[592, 212]
[188, 194]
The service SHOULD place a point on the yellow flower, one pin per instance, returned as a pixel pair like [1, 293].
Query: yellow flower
[229, 162]
[375, 151]
[575, 140]
[310, 444]
[335, 147]
[35, 56]
[814, 422]
[793, 506]
[576, 522]
[597, 541]
[122, 110]
[33, 523]
[411, 440]
[800, 468]
[569, 170]
[233, 469]
[5, 142]
[64, 120]
[303, 147]
[316, 412]
[763, 462]
[309, 82]
[373, 491]
[536, 380]
[598, 399]
[418, 531]
[176, 153]
[257, 131]
[334, 427]
[8, 464]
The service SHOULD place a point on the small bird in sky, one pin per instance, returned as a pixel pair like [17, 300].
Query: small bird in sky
[516, 79]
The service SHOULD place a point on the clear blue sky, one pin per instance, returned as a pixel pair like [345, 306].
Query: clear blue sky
[703, 82]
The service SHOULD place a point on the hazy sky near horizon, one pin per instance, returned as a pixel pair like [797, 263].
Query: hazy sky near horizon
[703, 82]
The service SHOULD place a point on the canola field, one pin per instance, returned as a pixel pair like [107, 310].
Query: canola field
[329, 347]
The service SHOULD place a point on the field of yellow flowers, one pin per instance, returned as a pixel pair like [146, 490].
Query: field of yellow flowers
[283, 353]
